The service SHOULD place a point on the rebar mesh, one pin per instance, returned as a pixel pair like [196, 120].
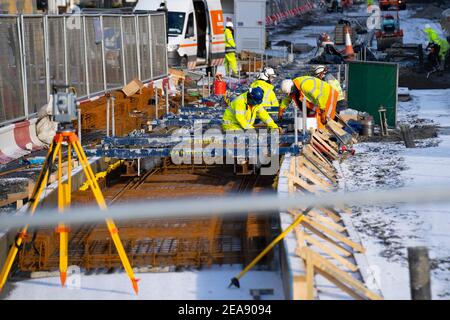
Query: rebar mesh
[11, 98]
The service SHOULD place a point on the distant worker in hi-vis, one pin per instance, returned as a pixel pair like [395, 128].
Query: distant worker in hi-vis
[230, 50]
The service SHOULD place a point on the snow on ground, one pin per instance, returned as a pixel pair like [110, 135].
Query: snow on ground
[207, 284]
[387, 231]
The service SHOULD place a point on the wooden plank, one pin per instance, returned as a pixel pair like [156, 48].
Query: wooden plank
[340, 285]
[309, 276]
[337, 246]
[301, 183]
[334, 234]
[325, 144]
[328, 267]
[318, 216]
[304, 171]
[329, 251]
[331, 214]
[304, 161]
[299, 287]
[317, 154]
[325, 220]
[327, 139]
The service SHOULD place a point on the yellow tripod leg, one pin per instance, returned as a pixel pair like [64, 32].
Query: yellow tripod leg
[62, 230]
[235, 280]
[36, 195]
[109, 222]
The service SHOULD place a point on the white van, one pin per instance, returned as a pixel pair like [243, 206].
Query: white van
[195, 29]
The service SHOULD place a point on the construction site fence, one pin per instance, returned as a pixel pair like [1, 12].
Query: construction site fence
[278, 10]
[92, 53]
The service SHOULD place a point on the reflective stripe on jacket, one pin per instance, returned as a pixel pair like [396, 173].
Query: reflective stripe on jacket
[317, 92]
[330, 79]
[239, 115]
[270, 98]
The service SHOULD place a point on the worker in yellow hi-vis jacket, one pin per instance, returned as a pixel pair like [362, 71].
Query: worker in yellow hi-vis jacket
[265, 80]
[230, 50]
[321, 98]
[242, 112]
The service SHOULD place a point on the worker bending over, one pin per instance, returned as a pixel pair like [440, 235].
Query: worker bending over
[265, 81]
[321, 98]
[230, 50]
[321, 72]
[243, 110]
[442, 46]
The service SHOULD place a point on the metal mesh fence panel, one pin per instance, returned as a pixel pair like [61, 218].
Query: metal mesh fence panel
[34, 46]
[75, 55]
[56, 51]
[94, 54]
[144, 48]
[130, 48]
[11, 94]
[158, 45]
[113, 52]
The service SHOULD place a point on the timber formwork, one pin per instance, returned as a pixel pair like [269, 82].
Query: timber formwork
[180, 242]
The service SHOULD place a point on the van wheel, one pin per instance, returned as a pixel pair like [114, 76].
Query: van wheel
[184, 62]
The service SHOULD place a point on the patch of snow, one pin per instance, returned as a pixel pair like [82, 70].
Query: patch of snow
[387, 231]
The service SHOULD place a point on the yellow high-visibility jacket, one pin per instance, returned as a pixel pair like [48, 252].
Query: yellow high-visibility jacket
[230, 45]
[330, 79]
[240, 116]
[433, 36]
[270, 98]
[317, 92]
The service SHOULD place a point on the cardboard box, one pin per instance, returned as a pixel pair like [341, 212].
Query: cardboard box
[133, 87]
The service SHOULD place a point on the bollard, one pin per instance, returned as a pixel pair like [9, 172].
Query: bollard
[419, 273]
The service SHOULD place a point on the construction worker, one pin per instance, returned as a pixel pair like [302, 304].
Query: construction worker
[441, 45]
[321, 72]
[230, 50]
[264, 81]
[243, 110]
[321, 98]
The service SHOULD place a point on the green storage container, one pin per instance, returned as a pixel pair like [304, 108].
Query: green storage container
[371, 85]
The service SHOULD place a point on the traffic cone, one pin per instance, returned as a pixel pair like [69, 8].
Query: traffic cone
[348, 51]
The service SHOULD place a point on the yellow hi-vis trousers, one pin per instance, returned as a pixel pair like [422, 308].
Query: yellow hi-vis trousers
[231, 63]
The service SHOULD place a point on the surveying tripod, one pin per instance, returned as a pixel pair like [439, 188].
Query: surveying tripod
[66, 134]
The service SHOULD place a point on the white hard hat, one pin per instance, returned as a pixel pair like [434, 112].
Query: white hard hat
[266, 74]
[229, 24]
[427, 26]
[319, 69]
[286, 86]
